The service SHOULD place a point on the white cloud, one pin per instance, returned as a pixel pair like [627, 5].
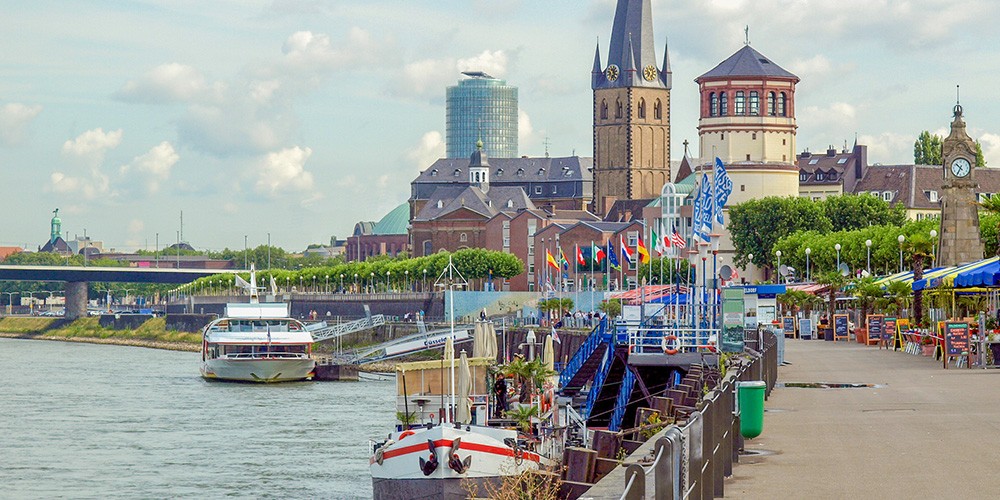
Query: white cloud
[92, 145]
[14, 119]
[168, 83]
[525, 132]
[92, 187]
[888, 148]
[427, 78]
[154, 166]
[837, 114]
[991, 148]
[430, 147]
[283, 172]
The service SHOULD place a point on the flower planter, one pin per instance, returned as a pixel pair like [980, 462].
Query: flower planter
[927, 349]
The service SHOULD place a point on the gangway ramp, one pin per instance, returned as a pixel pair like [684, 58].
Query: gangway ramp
[331, 332]
[411, 344]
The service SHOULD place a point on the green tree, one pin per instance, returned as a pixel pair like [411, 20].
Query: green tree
[848, 212]
[920, 249]
[867, 293]
[980, 160]
[927, 149]
[611, 307]
[835, 282]
[756, 225]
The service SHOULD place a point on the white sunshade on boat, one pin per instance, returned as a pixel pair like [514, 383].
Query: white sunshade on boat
[302, 337]
[257, 311]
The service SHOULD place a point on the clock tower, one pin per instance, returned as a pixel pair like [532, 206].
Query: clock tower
[631, 111]
[960, 241]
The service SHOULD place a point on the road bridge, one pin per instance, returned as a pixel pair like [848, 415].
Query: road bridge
[77, 278]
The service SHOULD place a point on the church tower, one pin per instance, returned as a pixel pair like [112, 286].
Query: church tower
[960, 241]
[631, 111]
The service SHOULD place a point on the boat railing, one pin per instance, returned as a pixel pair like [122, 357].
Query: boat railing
[265, 355]
[681, 339]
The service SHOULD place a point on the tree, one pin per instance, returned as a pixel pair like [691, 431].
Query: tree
[920, 248]
[835, 281]
[611, 307]
[867, 293]
[850, 211]
[756, 225]
[927, 149]
[980, 160]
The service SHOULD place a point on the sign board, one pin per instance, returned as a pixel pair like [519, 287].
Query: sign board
[956, 341]
[888, 328]
[875, 326]
[805, 328]
[840, 327]
[732, 320]
[426, 343]
[788, 325]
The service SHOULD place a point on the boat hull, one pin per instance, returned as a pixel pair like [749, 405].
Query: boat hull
[259, 370]
[445, 488]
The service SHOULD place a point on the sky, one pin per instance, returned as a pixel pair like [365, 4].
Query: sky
[298, 118]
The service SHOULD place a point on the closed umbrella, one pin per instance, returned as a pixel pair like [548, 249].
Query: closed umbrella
[548, 354]
[449, 359]
[490, 340]
[463, 413]
[478, 346]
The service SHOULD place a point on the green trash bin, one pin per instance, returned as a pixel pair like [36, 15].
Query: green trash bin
[751, 398]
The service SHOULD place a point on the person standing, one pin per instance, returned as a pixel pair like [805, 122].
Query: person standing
[500, 396]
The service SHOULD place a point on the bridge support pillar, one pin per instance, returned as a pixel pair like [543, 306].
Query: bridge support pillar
[76, 299]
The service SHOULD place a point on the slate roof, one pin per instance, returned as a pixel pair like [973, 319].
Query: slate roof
[57, 246]
[487, 204]
[836, 167]
[747, 62]
[626, 210]
[506, 170]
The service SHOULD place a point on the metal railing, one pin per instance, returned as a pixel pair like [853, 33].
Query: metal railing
[335, 331]
[583, 353]
[692, 461]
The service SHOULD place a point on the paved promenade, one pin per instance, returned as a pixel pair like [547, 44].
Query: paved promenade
[925, 432]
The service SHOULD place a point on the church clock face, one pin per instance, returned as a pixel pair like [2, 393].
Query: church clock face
[611, 72]
[960, 167]
[649, 73]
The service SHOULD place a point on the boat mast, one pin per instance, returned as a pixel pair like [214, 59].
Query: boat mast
[451, 282]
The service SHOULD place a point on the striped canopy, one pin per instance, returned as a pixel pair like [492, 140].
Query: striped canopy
[905, 276]
[947, 276]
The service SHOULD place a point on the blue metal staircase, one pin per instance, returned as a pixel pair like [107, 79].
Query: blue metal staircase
[621, 404]
[586, 361]
[599, 378]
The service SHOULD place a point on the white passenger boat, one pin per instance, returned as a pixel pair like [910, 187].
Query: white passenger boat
[257, 343]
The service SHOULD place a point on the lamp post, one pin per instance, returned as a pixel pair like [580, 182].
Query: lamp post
[901, 239]
[808, 276]
[314, 283]
[286, 284]
[837, 248]
[406, 279]
[371, 282]
[778, 269]
[868, 246]
[326, 286]
[423, 287]
[387, 273]
[246, 253]
[355, 282]
[341, 282]
[10, 301]
[933, 248]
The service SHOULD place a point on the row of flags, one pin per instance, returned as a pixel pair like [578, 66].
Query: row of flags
[661, 245]
[708, 203]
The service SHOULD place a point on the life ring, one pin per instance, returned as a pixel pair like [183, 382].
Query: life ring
[405, 434]
[666, 347]
[548, 397]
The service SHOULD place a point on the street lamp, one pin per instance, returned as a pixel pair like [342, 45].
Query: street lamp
[387, 273]
[933, 249]
[314, 283]
[10, 301]
[406, 279]
[246, 253]
[341, 282]
[808, 276]
[778, 253]
[423, 287]
[326, 287]
[837, 248]
[355, 282]
[901, 239]
[868, 246]
[371, 282]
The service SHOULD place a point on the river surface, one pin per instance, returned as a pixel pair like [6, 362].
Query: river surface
[101, 421]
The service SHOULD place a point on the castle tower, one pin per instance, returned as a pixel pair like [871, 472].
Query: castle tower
[960, 240]
[631, 111]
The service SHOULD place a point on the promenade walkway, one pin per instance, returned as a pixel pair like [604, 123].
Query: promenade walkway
[924, 432]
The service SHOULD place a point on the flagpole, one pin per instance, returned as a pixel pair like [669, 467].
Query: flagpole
[592, 279]
[576, 265]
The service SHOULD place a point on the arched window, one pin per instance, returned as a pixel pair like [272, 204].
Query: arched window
[618, 111]
[713, 104]
[641, 111]
[754, 103]
[604, 109]
[739, 105]
[658, 110]
[770, 104]
[723, 104]
[781, 104]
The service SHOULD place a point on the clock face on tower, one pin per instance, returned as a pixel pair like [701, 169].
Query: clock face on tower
[649, 73]
[611, 72]
[960, 167]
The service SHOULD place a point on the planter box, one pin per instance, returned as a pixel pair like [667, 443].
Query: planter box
[927, 349]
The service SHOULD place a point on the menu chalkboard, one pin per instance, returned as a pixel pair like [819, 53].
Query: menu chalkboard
[840, 328]
[956, 338]
[805, 329]
[788, 325]
[875, 324]
[888, 328]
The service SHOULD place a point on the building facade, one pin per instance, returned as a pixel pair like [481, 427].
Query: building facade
[832, 173]
[481, 107]
[631, 109]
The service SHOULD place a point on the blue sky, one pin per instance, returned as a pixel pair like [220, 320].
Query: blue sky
[299, 118]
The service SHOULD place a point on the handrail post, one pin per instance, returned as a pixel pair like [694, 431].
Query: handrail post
[635, 483]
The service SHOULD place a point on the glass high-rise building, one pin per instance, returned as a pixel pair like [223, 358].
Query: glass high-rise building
[481, 106]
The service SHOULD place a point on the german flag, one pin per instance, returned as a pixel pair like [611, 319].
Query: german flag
[643, 253]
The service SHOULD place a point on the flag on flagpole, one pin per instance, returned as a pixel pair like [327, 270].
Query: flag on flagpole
[723, 188]
[597, 253]
[678, 240]
[555, 336]
[551, 260]
[627, 253]
[612, 255]
[641, 249]
[579, 257]
[562, 259]
[657, 243]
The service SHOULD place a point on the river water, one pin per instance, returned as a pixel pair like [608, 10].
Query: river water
[101, 421]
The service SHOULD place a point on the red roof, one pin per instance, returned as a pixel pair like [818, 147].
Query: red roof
[8, 251]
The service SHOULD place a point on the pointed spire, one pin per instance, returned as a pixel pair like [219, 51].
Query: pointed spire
[597, 74]
[630, 71]
[666, 74]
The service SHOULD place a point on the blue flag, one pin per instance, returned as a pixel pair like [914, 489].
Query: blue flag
[704, 214]
[612, 255]
[723, 188]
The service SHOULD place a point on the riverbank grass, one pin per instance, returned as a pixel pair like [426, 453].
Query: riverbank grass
[25, 325]
[153, 329]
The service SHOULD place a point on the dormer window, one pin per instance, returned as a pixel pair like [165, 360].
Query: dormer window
[541, 171]
[434, 172]
[887, 195]
[932, 196]
[520, 172]
[803, 176]
[510, 203]
[440, 204]
[458, 172]
[819, 175]
[499, 172]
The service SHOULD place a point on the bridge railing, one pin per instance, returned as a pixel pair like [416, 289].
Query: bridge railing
[693, 460]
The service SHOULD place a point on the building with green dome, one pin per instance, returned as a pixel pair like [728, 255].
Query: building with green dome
[388, 236]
